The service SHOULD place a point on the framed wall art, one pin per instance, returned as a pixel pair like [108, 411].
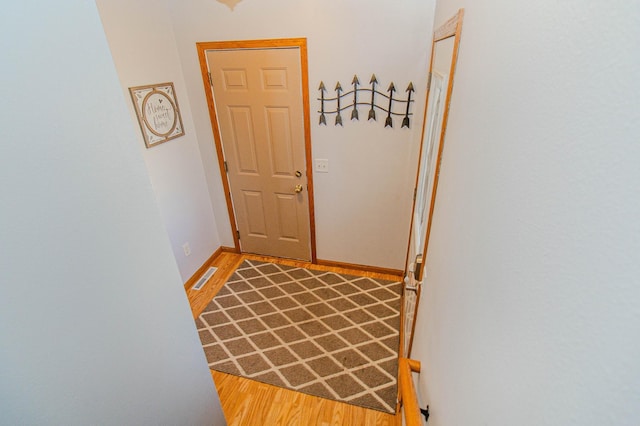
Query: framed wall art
[158, 113]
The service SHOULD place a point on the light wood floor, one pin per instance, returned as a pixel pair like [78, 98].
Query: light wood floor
[251, 403]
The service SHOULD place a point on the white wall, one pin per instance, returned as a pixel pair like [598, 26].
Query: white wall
[144, 51]
[531, 312]
[363, 204]
[94, 325]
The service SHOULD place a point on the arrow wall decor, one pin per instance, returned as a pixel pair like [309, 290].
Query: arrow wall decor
[338, 117]
[404, 105]
[389, 121]
[372, 111]
[354, 113]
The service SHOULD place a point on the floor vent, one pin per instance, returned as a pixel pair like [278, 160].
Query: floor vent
[202, 281]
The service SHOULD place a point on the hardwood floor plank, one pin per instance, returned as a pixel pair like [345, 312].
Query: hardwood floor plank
[247, 402]
[226, 264]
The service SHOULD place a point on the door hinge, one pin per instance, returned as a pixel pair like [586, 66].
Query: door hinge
[428, 80]
[226, 167]
[238, 234]
[415, 192]
[210, 81]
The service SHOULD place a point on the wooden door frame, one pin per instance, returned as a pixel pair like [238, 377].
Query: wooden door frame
[300, 43]
[451, 28]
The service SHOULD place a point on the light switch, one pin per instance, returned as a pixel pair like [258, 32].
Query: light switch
[322, 165]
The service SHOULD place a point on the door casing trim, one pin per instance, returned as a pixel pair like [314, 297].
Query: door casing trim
[300, 43]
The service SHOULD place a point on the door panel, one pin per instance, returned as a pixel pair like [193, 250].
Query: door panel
[258, 93]
[243, 141]
[235, 79]
[287, 217]
[274, 78]
[254, 205]
[280, 141]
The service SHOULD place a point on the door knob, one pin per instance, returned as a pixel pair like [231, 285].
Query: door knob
[298, 188]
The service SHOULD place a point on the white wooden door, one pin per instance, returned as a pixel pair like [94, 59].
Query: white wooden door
[259, 104]
[424, 190]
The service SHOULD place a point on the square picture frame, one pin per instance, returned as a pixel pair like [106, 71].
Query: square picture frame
[158, 112]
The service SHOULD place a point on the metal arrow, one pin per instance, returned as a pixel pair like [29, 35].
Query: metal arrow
[338, 117]
[405, 120]
[323, 119]
[388, 122]
[372, 111]
[354, 113]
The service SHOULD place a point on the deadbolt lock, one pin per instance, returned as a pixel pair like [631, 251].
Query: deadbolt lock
[298, 188]
[298, 173]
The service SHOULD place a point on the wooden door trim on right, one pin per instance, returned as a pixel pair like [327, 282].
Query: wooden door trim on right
[300, 43]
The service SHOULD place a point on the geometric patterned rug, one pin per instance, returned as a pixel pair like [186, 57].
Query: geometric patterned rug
[330, 335]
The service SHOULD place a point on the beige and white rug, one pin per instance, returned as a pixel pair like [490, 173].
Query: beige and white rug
[321, 333]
